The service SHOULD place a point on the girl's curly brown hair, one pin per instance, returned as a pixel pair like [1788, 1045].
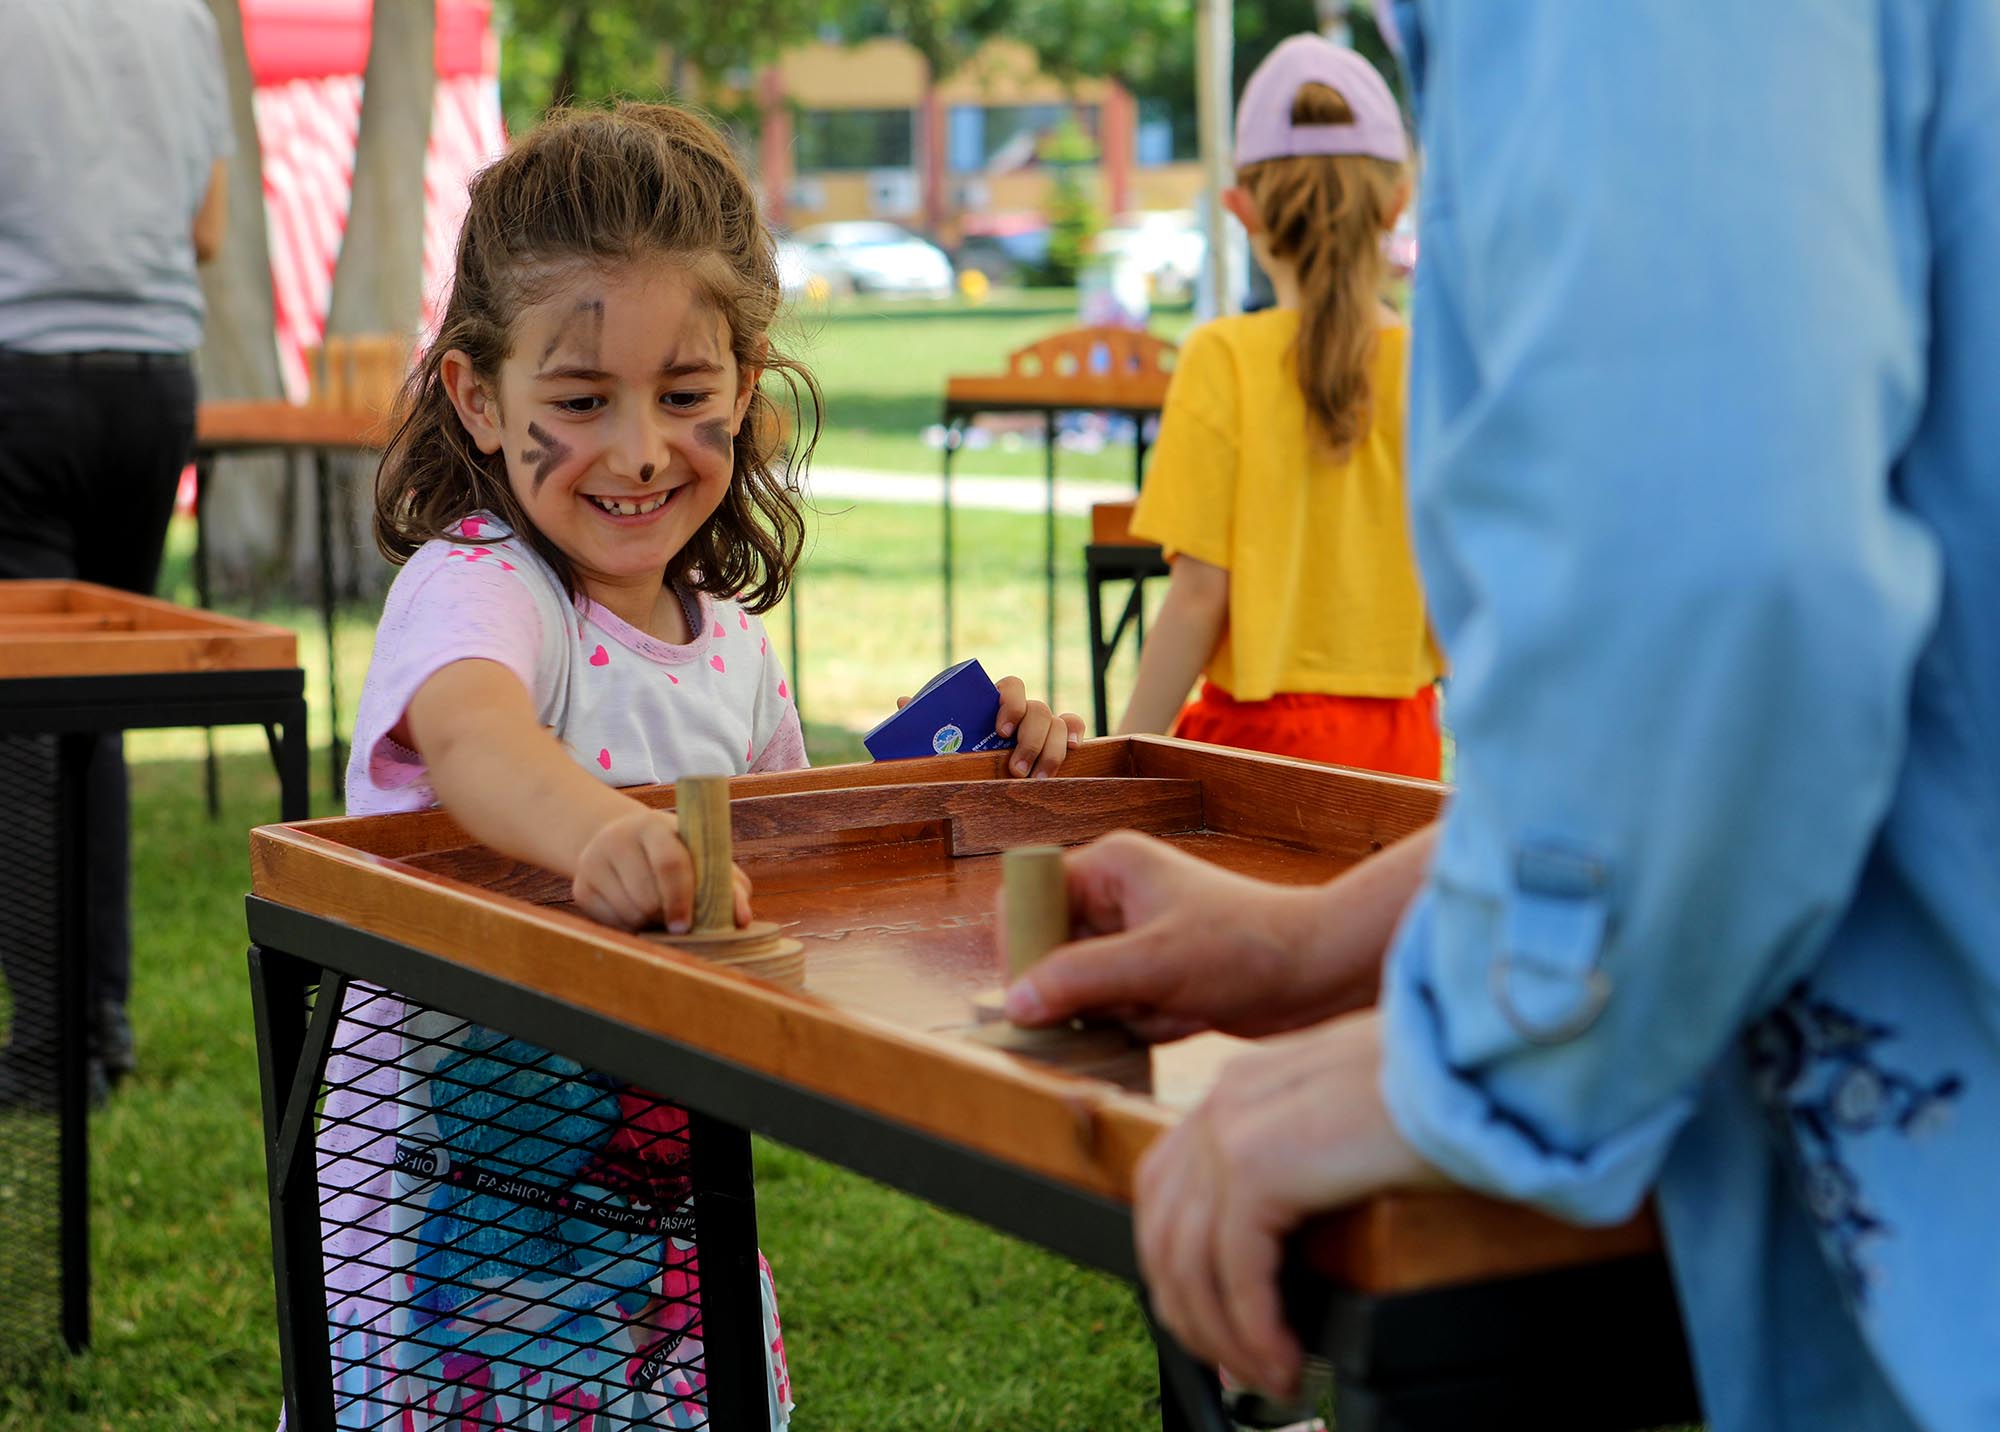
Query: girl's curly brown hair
[641, 182]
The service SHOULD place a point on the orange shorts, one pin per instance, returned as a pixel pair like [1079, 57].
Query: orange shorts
[1396, 734]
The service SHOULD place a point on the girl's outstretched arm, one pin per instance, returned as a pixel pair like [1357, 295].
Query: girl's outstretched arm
[513, 786]
[1190, 624]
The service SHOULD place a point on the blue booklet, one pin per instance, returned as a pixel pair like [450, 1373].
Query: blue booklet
[955, 711]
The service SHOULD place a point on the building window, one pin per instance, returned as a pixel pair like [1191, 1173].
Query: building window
[856, 139]
[995, 139]
[1167, 133]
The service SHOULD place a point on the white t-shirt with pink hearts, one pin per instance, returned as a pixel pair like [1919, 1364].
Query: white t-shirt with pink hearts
[633, 710]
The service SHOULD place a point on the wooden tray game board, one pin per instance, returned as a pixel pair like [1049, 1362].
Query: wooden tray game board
[888, 874]
[81, 629]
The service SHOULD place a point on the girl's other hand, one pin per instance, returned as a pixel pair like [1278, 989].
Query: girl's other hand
[1042, 739]
[636, 872]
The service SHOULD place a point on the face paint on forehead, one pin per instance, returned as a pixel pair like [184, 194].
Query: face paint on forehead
[547, 458]
[584, 327]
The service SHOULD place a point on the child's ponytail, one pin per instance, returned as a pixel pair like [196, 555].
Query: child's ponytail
[1326, 215]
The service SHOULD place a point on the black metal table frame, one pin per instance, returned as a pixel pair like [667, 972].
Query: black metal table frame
[1115, 562]
[72, 709]
[323, 489]
[958, 415]
[1437, 1358]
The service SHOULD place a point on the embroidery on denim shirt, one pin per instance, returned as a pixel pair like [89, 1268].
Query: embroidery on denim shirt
[1818, 1072]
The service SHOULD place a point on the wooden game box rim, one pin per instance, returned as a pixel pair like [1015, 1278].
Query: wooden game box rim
[222, 424]
[61, 628]
[1080, 1132]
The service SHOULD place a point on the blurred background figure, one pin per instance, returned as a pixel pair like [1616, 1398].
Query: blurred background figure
[114, 129]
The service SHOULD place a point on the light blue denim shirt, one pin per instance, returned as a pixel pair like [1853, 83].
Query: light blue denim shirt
[1705, 467]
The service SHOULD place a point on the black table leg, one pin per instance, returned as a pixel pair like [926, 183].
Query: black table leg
[1049, 558]
[292, 756]
[1100, 654]
[336, 756]
[291, 1060]
[204, 469]
[732, 1312]
[1190, 1396]
[952, 429]
[73, 753]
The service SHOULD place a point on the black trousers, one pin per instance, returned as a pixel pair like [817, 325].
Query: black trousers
[91, 450]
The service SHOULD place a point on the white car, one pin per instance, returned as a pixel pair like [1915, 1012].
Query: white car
[869, 256]
[1165, 247]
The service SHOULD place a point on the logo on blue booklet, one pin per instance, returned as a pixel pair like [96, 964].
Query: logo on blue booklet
[947, 740]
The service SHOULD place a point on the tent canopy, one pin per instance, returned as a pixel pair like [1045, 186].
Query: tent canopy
[316, 39]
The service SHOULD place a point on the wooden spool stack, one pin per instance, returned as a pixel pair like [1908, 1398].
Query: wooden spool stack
[759, 948]
[1037, 920]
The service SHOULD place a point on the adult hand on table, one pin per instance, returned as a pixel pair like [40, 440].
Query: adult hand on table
[1175, 945]
[1292, 1128]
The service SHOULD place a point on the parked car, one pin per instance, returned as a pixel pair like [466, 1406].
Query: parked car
[869, 256]
[1007, 248]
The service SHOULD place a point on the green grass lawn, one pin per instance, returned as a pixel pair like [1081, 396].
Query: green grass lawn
[883, 366]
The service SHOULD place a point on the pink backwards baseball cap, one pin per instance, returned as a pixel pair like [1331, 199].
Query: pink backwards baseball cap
[1264, 128]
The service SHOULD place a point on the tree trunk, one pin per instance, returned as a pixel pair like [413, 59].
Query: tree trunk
[378, 283]
[239, 352]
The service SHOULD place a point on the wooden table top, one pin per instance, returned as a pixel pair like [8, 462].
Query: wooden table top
[81, 629]
[243, 424]
[888, 875]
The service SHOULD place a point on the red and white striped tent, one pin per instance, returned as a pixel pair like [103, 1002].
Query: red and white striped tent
[306, 61]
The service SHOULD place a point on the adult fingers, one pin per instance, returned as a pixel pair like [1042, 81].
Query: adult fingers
[1180, 1188]
[1246, 1253]
[1088, 976]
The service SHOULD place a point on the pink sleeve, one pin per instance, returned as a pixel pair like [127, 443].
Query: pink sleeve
[444, 606]
[786, 750]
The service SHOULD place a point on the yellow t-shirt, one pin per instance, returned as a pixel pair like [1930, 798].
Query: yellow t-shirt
[1323, 591]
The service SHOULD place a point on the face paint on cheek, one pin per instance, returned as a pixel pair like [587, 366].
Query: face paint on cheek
[546, 458]
[716, 437]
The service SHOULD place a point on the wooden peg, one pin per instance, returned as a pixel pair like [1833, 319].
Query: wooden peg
[1037, 920]
[759, 948]
[702, 803]
[1037, 896]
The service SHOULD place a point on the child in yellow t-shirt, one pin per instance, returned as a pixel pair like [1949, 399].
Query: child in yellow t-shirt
[1277, 482]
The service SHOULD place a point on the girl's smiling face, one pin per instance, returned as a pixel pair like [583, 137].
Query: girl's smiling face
[616, 413]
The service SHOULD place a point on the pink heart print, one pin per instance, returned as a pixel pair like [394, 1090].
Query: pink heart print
[673, 678]
[471, 526]
[743, 620]
[750, 750]
[762, 642]
[604, 759]
[600, 657]
[719, 631]
[782, 692]
[716, 662]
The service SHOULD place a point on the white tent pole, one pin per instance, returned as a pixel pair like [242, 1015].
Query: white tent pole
[1215, 58]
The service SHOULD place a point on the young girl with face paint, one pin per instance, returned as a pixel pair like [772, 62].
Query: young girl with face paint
[588, 503]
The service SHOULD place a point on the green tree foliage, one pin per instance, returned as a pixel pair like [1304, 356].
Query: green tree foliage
[1072, 213]
[587, 51]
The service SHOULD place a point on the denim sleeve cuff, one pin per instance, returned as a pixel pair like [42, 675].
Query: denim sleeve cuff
[1500, 1147]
